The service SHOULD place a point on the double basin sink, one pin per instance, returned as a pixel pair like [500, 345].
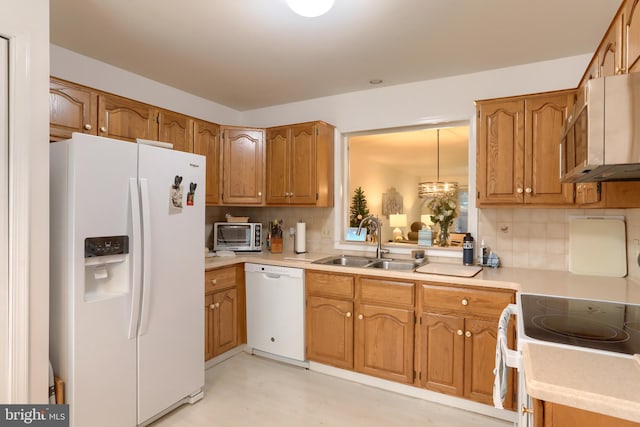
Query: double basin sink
[366, 262]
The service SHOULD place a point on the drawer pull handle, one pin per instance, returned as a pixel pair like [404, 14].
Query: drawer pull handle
[465, 301]
[467, 334]
[348, 314]
[459, 332]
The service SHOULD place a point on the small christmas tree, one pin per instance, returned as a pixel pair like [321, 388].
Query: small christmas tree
[359, 209]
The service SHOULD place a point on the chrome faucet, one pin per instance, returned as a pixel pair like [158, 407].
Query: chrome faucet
[376, 221]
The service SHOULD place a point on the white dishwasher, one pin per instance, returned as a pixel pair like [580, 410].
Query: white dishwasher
[275, 311]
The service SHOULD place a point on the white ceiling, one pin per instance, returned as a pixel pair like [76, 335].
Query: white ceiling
[248, 54]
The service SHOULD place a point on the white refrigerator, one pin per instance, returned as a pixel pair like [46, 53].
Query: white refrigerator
[127, 274]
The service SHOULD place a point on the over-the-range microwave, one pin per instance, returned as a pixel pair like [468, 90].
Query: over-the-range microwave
[237, 236]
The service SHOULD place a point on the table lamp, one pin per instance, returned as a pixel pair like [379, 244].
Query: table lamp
[397, 221]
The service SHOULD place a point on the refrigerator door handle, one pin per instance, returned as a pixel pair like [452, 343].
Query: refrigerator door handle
[134, 199]
[146, 256]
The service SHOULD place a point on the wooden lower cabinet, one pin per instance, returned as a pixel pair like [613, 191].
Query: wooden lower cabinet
[457, 336]
[370, 330]
[555, 415]
[224, 310]
[368, 324]
[384, 328]
[329, 318]
[329, 329]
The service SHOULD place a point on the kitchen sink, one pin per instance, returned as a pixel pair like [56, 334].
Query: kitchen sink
[365, 262]
[393, 265]
[346, 260]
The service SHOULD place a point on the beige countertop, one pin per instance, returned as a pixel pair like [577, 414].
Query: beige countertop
[591, 381]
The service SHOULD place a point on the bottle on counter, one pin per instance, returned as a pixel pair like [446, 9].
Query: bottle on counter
[467, 249]
[483, 254]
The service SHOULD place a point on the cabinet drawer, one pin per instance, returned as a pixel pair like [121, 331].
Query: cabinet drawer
[221, 278]
[328, 284]
[386, 292]
[479, 302]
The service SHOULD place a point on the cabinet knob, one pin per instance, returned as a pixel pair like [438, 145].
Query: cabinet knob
[467, 334]
[360, 317]
[464, 301]
[519, 190]
[526, 410]
[259, 193]
[528, 190]
[103, 129]
[290, 194]
[87, 126]
[214, 281]
[212, 306]
[459, 332]
[348, 314]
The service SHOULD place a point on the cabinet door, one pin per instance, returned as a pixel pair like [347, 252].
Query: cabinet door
[329, 331]
[442, 353]
[302, 176]
[610, 53]
[207, 143]
[124, 119]
[243, 159]
[225, 321]
[277, 185]
[384, 342]
[71, 109]
[479, 360]
[556, 415]
[500, 152]
[544, 117]
[632, 36]
[176, 129]
[208, 326]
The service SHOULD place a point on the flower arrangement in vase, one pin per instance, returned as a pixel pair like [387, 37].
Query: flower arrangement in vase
[444, 211]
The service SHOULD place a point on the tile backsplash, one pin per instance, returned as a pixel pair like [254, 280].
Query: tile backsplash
[528, 238]
[539, 238]
[319, 228]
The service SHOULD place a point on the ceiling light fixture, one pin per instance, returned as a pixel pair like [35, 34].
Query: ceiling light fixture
[310, 8]
[437, 187]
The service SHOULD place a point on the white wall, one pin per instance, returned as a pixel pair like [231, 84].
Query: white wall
[26, 24]
[77, 68]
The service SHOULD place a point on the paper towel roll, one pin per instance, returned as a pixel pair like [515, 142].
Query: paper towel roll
[301, 238]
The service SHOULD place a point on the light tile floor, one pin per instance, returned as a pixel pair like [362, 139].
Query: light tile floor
[253, 391]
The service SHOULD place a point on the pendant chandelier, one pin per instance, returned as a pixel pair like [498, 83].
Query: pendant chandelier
[437, 187]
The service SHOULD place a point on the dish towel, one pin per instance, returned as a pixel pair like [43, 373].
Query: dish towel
[501, 370]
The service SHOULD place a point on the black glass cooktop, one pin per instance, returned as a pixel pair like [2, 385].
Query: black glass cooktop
[599, 325]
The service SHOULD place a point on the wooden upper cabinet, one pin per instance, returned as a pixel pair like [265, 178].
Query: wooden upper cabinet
[300, 165]
[544, 118]
[632, 36]
[518, 150]
[72, 108]
[176, 129]
[243, 160]
[500, 151]
[207, 143]
[277, 147]
[610, 53]
[122, 118]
